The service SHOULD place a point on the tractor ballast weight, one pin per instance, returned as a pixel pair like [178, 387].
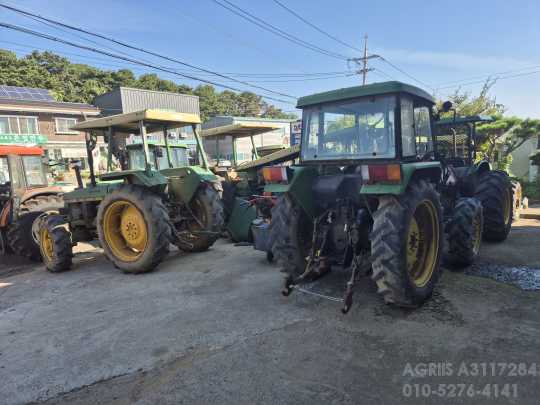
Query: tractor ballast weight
[369, 193]
[138, 212]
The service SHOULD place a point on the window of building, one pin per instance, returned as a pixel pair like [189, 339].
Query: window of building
[63, 125]
[18, 125]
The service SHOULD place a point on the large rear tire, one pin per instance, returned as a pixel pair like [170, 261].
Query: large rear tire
[495, 193]
[55, 244]
[406, 244]
[464, 233]
[23, 234]
[134, 229]
[291, 232]
[207, 207]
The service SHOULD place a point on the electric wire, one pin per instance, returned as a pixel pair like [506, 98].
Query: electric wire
[124, 44]
[127, 59]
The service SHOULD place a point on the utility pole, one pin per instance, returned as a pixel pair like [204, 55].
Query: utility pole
[363, 61]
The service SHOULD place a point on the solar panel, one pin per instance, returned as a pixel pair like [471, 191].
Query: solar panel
[25, 93]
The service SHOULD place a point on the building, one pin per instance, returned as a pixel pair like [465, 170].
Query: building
[280, 136]
[126, 99]
[30, 116]
[521, 165]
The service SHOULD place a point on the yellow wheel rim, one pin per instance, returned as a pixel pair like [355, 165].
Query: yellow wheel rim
[507, 205]
[422, 243]
[46, 243]
[125, 231]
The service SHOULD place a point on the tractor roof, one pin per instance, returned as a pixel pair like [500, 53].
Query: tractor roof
[129, 122]
[20, 150]
[374, 89]
[240, 130]
[465, 120]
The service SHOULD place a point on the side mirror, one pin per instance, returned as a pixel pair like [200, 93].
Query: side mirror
[447, 106]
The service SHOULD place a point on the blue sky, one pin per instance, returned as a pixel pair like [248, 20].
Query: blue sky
[437, 43]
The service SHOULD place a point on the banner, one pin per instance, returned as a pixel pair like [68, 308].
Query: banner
[26, 140]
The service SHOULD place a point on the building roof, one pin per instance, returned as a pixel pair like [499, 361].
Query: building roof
[240, 130]
[25, 93]
[374, 89]
[129, 122]
[47, 107]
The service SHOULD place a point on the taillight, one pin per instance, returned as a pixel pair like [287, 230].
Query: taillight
[275, 174]
[381, 173]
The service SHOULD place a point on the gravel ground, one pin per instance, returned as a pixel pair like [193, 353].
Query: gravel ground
[523, 277]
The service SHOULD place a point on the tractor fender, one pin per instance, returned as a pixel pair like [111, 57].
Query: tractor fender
[5, 214]
[184, 182]
[44, 191]
[150, 179]
[481, 167]
[299, 187]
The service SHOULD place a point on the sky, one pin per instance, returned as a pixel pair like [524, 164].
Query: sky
[437, 46]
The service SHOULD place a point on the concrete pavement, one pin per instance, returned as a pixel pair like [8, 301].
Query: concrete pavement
[213, 328]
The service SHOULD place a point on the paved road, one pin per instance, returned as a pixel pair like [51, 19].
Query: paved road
[213, 328]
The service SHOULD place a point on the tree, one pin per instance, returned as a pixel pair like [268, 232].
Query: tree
[497, 139]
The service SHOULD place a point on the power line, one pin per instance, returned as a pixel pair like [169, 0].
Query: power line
[160, 68]
[316, 27]
[314, 75]
[275, 30]
[142, 50]
[497, 78]
[485, 76]
[405, 73]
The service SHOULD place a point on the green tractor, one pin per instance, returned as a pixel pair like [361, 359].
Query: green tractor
[137, 212]
[244, 183]
[373, 194]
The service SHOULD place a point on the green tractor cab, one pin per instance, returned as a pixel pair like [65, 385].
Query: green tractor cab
[154, 200]
[369, 192]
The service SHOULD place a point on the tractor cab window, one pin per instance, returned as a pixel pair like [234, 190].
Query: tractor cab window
[179, 157]
[362, 129]
[416, 137]
[4, 171]
[34, 171]
[136, 159]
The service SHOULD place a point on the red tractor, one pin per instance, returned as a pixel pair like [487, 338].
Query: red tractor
[25, 199]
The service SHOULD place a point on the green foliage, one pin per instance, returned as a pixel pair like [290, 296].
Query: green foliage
[497, 139]
[535, 159]
[531, 189]
[75, 82]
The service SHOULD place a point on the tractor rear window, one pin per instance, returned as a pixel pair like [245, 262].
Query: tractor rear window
[34, 171]
[362, 129]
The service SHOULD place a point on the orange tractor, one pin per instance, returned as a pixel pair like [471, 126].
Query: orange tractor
[25, 199]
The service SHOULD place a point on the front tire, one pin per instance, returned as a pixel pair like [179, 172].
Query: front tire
[464, 233]
[55, 244]
[406, 244]
[207, 207]
[133, 229]
[495, 193]
[23, 234]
